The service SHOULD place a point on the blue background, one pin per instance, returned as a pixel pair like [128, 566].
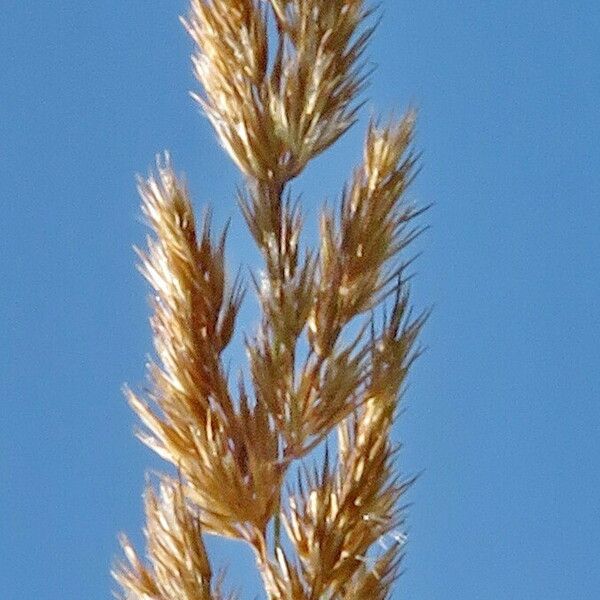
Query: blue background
[502, 411]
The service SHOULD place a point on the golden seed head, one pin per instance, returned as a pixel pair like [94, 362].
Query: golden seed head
[277, 97]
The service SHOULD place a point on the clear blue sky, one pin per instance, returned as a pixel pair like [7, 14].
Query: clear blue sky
[503, 412]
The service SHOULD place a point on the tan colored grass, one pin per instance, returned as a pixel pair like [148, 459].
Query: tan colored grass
[233, 450]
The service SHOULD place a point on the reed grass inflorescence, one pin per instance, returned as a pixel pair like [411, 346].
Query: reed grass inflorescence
[280, 82]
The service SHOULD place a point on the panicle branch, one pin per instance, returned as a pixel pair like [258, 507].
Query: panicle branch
[338, 517]
[357, 270]
[373, 227]
[179, 567]
[273, 118]
[197, 426]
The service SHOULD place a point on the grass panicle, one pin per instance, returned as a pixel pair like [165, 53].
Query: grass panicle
[280, 81]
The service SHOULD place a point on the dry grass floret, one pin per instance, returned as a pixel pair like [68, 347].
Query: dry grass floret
[273, 112]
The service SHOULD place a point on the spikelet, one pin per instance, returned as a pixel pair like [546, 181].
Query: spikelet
[280, 82]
